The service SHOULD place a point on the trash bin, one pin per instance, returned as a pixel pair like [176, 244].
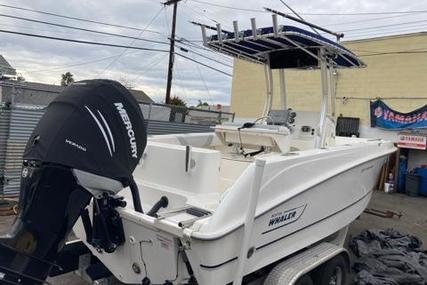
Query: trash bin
[422, 171]
[412, 184]
[401, 176]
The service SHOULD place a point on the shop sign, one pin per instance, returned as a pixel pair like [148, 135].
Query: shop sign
[412, 141]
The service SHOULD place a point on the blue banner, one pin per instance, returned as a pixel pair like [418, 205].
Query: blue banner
[382, 116]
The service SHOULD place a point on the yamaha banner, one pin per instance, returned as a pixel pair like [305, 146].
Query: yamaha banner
[382, 116]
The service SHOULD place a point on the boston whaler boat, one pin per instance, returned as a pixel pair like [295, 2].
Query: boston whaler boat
[264, 202]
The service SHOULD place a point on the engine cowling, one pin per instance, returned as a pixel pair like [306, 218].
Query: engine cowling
[95, 128]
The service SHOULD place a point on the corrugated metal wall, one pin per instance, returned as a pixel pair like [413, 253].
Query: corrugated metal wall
[4, 135]
[16, 125]
[21, 122]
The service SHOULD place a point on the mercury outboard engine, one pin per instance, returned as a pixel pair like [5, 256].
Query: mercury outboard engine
[86, 146]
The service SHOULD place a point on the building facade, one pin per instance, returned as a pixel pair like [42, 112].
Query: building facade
[396, 72]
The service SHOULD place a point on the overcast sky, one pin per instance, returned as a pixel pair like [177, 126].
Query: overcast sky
[44, 60]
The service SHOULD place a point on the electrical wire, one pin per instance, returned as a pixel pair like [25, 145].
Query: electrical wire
[398, 31]
[370, 20]
[296, 14]
[131, 44]
[80, 29]
[206, 57]
[80, 41]
[313, 14]
[187, 43]
[385, 26]
[75, 18]
[230, 7]
[203, 64]
[156, 61]
[74, 65]
[200, 14]
[204, 82]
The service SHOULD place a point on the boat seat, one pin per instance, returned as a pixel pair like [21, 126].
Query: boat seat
[165, 164]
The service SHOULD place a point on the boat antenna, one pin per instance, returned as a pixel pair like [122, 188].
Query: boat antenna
[337, 35]
[298, 15]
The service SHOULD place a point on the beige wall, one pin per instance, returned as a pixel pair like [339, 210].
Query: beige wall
[392, 75]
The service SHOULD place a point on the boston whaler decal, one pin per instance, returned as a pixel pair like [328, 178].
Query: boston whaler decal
[283, 218]
[128, 125]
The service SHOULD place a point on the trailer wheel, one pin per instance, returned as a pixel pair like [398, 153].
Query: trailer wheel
[304, 280]
[333, 272]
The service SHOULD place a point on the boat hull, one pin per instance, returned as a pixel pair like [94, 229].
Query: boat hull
[305, 197]
[306, 218]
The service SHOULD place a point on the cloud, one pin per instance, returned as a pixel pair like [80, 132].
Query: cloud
[44, 60]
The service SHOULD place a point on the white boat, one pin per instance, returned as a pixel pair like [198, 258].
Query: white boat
[221, 206]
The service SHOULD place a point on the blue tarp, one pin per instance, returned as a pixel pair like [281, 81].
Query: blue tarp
[382, 116]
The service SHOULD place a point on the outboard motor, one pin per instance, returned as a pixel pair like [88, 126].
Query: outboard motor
[85, 146]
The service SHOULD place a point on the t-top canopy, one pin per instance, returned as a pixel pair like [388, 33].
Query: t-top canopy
[288, 47]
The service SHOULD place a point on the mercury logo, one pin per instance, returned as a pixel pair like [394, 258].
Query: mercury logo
[128, 126]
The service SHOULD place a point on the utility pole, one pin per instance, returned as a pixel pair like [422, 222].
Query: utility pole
[171, 50]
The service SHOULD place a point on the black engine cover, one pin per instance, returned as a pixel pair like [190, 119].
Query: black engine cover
[95, 126]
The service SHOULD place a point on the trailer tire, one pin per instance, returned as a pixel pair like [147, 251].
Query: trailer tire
[333, 272]
[304, 280]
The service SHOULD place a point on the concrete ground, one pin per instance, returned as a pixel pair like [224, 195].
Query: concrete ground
[413, 221]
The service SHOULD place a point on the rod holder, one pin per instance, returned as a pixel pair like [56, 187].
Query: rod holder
[204, 37]
[219, 32]
[254, 31]
[236, 30]
[275, 25]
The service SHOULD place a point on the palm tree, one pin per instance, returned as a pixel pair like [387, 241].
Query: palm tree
[202, 104]
[175, 100]
[67, 79]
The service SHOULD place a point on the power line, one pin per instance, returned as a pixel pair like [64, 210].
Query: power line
[204, 56]
[362, 34]
[73, 65]
[313, 14]
[80, 29]
[187, 43]
[299, 17]
[385, 26]
[370, 20]
[230, 7]
[201, 14]
[131, 44]
[74, 18]
[204, 82]
[366, 13]
[203, 64]
[80, 41]
[156, 61]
